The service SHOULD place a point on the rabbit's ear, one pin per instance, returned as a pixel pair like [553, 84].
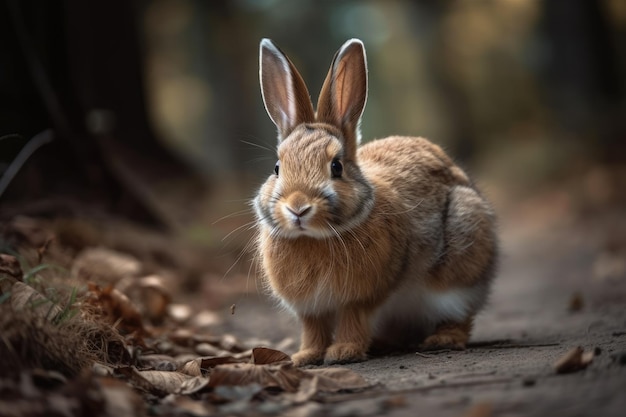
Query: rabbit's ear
[285, 95]
[344, 93]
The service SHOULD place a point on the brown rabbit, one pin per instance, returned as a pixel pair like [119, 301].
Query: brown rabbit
[388, 242]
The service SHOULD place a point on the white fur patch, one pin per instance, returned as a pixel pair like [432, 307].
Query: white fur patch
[415, 306]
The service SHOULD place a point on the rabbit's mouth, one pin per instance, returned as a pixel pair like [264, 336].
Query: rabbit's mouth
[297, 219]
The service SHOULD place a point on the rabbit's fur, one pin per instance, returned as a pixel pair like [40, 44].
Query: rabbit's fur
[387, 244]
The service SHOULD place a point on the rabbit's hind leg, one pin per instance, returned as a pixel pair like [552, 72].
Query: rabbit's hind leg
[449, 335]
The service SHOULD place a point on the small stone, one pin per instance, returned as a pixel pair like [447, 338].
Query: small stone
[206, 349]
[576, 302]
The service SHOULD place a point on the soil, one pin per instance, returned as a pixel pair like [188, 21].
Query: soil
[561, 284]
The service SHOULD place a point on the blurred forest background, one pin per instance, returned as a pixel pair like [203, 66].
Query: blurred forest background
[155, 110]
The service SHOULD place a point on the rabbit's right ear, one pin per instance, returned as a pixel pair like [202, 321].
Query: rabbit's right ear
[285, 95]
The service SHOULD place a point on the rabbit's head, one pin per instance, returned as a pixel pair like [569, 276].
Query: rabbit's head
[317, 188]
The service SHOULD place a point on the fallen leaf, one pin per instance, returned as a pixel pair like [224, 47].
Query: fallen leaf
[283, 376]
[238, 392]
[185, 406]
[574, 360]
[309, 409]
[117, 307]
[154, 298]
[193, 385]
[29, 229]
[10, 265]
[157, 361]
[338, 379]
[192, 368]
[262, 355]
[286, 377]
[119, 399]
[26, 297]
[104, 266]
[182, 337]
[158, 383]
[212, 362]
[207, 349]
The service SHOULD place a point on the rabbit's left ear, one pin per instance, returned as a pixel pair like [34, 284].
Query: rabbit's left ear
[344, 93]
[285, 95]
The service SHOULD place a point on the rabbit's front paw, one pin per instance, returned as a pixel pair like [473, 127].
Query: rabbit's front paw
[344, 353]
[308, 357]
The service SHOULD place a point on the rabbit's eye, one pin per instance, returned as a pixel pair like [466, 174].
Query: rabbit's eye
[336, 168]
[277, 167]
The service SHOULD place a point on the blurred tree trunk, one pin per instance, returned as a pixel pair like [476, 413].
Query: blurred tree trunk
[454, 95]
[584, 67]
[80, 66]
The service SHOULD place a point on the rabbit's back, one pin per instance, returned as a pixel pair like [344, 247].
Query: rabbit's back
[414, 166]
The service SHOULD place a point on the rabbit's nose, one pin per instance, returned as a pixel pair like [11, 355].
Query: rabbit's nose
[300, 211]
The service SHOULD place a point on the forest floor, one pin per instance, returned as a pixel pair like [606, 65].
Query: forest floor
[561, 285]
[145, 327]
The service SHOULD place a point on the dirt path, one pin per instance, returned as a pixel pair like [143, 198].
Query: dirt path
[562, 284]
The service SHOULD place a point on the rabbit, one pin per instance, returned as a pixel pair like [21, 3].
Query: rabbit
[388, 244]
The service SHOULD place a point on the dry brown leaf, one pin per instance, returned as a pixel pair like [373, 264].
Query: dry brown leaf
[192, 368]
[306, 391]
[32, 230]
[207, 349]
[193, 385]
[26, 297]
[159, 383]
[182, 337]
[119, 399]
[283, 376]
[195, 366]
[338, 379]
[6, 283]
[10, 265]
[185, 406]
[273, 369]
[159, 362]
[574, 360]
[154, 297]
[117, 307]
[213, 361]
[262, 355]
[105, 266]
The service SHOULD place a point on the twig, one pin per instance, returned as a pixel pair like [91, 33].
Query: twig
[507, 344]
[35, 143]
